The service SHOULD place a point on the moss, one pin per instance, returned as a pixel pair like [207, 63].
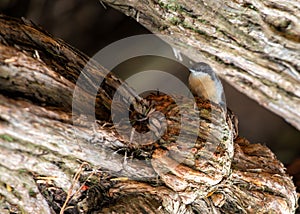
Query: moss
[32, 193]
[175, 21]
[203, 21]
[190, 27]
[22, 171]
[171, 6]
[7, 137]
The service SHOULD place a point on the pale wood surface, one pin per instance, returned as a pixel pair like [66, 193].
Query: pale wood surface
[42, 145]
[252, 44]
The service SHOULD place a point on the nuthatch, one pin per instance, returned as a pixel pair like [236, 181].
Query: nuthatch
[204, 83]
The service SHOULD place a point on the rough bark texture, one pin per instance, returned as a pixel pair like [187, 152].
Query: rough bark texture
[252, 44]
[55, 160]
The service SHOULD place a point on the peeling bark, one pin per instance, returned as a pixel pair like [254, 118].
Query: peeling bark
[252, 44]
[55, 160]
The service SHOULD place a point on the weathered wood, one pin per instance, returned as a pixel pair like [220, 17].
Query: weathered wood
[252, 44]
[43, 143]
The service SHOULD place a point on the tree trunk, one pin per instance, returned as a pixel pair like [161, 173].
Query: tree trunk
[55, 159]
[252, 44]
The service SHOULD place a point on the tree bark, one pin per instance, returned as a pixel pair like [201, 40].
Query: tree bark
[55, 159]
[251, 44]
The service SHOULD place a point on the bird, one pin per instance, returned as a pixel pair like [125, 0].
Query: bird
[203, 82]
